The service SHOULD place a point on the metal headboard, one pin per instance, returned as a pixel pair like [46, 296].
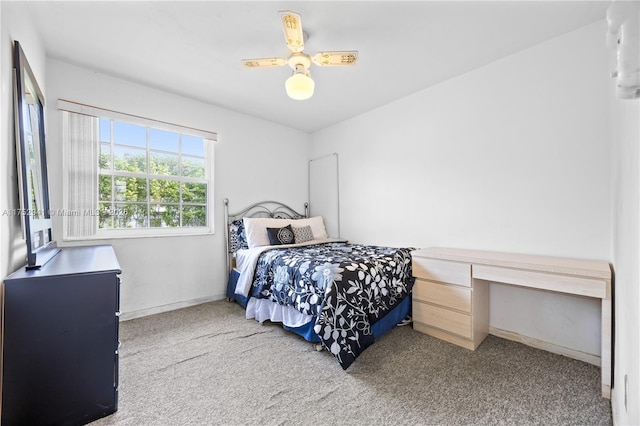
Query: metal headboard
[272, 209]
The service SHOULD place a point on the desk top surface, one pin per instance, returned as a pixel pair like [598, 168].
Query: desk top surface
[557, 265]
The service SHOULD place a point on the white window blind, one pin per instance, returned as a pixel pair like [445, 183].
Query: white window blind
[80, 133]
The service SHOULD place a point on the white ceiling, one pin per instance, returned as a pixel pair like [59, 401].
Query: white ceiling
[194, 48]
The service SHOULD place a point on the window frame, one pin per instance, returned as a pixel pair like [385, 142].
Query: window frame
[209, 139]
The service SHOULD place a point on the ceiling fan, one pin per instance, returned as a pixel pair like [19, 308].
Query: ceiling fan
[300, 86]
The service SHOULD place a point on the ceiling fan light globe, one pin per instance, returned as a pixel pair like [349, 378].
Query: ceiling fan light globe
[299, 86]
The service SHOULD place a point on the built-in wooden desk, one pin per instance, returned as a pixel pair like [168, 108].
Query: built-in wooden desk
[451, 299]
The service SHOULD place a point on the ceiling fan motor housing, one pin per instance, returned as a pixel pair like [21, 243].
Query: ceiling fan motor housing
[299, 59]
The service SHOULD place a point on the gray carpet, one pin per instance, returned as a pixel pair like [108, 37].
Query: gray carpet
[208, 365]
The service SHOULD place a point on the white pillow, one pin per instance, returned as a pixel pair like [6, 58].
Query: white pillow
[256, 228]
[317, 226]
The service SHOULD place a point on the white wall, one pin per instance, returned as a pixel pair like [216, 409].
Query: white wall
[625, 137]
[14, 25]
[162, 273]
[512, 157]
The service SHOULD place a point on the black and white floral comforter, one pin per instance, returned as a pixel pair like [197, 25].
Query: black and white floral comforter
[345, 287]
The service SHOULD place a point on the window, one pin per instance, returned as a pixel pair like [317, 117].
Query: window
[150, 178]
[146, 177]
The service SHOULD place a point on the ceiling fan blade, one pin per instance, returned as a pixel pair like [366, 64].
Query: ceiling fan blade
[292, 26]
[339, 59]
[264, 62]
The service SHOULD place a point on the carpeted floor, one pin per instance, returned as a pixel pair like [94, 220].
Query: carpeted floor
[209, 365]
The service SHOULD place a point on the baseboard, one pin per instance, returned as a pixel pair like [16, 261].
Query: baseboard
[170, 307]
[550, 347]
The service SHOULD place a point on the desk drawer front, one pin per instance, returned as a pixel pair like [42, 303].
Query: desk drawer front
[453, 322]
[442, 270]
[453, 297]
[555, 282]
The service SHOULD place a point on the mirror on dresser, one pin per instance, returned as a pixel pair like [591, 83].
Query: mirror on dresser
[32, 163]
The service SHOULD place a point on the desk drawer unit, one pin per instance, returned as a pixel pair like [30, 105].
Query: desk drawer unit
[447, 303]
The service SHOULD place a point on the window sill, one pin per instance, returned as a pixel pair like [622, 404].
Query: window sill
[115, 234]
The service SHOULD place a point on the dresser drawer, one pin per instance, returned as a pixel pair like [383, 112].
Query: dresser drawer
[444, 319]
[442, 270]
[454, 297]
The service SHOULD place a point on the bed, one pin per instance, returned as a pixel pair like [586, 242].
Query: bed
[283, 267]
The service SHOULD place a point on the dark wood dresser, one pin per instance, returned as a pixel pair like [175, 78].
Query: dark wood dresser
[60, 339]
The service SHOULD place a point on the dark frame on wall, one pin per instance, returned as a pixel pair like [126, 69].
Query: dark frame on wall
[32, 163]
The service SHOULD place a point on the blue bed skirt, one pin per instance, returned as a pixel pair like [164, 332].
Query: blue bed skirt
[231, 289]
[385, 324]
